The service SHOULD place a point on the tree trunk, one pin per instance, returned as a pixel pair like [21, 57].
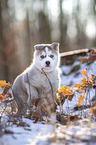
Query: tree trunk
[3, 27]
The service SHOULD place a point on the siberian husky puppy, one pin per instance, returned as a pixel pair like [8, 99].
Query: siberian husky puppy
[42, 77]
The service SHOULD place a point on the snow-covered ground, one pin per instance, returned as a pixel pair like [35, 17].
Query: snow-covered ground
[35, 134]
[78, 133]
[73, 77]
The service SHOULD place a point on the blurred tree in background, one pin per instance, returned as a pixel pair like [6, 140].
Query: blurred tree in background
[24, 23]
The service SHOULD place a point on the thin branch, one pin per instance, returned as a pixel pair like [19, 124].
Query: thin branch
[50, 84]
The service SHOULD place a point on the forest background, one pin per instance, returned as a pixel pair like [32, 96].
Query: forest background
[24, 23]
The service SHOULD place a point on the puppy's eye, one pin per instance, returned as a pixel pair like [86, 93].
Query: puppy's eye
[42, 56]
[51, 56]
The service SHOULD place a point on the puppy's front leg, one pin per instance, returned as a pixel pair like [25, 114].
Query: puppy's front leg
[32, 95]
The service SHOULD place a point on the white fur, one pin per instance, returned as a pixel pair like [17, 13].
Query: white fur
[33, 82]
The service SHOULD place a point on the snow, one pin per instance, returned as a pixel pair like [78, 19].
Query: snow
[41, 134]
[76, 76]
[28, 135]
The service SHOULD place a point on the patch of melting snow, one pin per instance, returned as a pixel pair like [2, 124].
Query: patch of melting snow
[80, 132]
[71, 78]
[36, 133]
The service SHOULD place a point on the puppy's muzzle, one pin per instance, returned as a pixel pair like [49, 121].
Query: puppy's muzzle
[47, 63]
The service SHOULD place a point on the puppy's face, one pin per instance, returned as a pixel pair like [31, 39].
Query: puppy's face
[46, 56]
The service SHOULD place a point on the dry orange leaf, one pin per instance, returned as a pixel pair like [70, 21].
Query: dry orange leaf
[65, 90]
[58, 96]
[81, 91]
[84, 73]
[67, 93]
[91, 80]
[59, 91]
[3, 84]
[84, 81]
[78, 86]
[81, 100]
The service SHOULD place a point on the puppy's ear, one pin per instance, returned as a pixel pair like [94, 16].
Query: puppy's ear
[38, 47]
[55, 46]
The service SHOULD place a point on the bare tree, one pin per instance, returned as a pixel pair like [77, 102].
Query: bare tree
[63, 27]
[44, 28]
[4, 27]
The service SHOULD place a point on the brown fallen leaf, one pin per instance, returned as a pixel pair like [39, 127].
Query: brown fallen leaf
[63, 119]
[93, 110]
[88, 59]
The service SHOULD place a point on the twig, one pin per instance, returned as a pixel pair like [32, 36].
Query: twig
[82, 107]
[50, 85]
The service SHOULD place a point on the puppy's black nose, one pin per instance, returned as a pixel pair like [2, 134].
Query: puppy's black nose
[47, 63]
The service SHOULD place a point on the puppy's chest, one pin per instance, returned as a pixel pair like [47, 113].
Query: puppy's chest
[43, 80]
